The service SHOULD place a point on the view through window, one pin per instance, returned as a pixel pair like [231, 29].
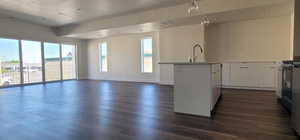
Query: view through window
[32, 61]
[68, 61]
[146, 55]
[59, 60]
[9, 62]
[52, 61]
[103, 57]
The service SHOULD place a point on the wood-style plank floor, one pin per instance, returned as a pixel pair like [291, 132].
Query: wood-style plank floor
[94, 110]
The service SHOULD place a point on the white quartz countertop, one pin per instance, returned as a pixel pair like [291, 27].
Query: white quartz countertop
[189, 63]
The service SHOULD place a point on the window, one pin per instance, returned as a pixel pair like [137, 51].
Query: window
[9, 62]
[21, 62]
[146, 55]
[32, 61]
[68, 61]
[103, 57]
[52, 61]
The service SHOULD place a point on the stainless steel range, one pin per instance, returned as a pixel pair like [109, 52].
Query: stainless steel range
[287, 81]
[296, 96]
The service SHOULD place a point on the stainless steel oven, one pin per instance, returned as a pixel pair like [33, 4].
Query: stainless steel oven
[296, 97]
[287, 85]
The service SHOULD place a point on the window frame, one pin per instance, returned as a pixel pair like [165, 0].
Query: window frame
[42, 61]
[22, 83]
[142, 70]
[20, 62]
[100, 57]
[75, 61]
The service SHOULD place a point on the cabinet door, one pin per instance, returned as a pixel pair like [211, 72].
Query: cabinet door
[239, 74]
[254, 75]
[216, 83]
[226, 74]
[268, 75]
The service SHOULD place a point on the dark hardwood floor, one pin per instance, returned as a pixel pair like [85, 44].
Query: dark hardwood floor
[93, 110]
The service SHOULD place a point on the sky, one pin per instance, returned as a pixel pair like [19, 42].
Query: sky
[31, 50]
[104, 49]
[147, 44]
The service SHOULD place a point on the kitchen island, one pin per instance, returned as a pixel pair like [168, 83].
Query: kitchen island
[197, 87]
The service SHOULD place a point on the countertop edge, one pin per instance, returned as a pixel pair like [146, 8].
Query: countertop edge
[188, 63]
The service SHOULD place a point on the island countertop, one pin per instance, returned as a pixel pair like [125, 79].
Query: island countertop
[189, 63]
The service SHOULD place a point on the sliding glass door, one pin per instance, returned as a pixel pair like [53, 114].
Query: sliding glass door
[52, 61]
[26, 62]
[32, 61]
[9, 62]
[68, 61]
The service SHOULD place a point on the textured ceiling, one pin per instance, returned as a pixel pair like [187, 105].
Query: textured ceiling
[62, 12]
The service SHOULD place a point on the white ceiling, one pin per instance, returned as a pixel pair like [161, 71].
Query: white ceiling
[62, 12]
[236, 15]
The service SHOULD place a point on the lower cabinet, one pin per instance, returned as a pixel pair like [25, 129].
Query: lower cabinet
[216, 83]
[250, 75]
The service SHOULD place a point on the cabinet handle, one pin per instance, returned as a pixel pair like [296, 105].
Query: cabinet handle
[244, 67]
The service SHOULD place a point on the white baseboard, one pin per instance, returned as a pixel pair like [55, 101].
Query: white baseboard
[166, 83]
[125, 80]
[133, 80]
[250, 88]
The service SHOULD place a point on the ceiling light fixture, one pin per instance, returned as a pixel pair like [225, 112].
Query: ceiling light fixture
[205, 20]
[194, 6]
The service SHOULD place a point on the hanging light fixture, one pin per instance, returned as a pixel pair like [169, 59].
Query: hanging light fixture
[194, 6]
[205, 20]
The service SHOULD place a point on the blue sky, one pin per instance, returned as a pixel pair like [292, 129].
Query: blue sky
[147, 44]
[51, 50]
[104, 49]
[9, 50]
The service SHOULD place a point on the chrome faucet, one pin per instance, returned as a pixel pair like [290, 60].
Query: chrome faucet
[194, 52]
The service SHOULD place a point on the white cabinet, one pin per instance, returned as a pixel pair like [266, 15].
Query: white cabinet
[216, 83]
[226, 74]
[268, 75]
[197, 88]
[250, 75]
[241, 75]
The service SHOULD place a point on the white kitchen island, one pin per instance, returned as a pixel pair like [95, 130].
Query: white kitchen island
[197, 87]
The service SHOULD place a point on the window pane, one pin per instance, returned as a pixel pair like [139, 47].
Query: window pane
[9, 62]
[52, 61]
[32, 61]
[147, 55]
[68, 61]
[103, 57]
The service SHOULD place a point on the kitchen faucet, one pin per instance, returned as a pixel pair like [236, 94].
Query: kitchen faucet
[193, 60]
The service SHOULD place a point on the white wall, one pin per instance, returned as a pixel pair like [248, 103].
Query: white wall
[17, 29]
[124, 59]
[173, 44]
[176, 46]
[267, 39]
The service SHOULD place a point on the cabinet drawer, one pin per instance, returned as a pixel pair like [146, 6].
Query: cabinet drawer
[254, 75]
